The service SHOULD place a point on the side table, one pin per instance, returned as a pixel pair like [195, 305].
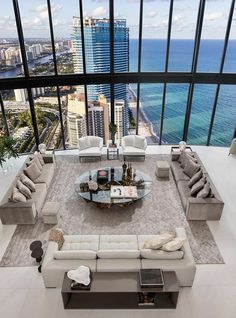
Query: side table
[112, 152]
[37, 252]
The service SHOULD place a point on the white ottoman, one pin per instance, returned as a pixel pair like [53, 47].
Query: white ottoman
[162, 169]
[50, 212]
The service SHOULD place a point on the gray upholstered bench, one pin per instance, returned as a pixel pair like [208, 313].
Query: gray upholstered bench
[50, 212]
[162, 169]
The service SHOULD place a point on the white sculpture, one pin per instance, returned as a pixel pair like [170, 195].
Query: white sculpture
[42, 148]
[182, 145]
[81, 275]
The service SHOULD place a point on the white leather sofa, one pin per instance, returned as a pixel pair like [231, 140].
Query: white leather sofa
[114, 253]
[90, 146]
[134, 146]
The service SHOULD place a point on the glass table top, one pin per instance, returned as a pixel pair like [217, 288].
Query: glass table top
[102, 195]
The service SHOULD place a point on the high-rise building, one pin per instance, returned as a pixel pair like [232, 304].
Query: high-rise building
[97, 55]
[21, 95]
[119, 106]
[76, 119]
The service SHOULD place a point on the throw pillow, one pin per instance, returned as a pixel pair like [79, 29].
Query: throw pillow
[40, 157]
[174, 245]
[195, 178]
[56, 235]
[27, 182]
[205, 191]
[139, 142]
[32, 171]
[157, 241]
[198, 186]
[84, 143]
[23, 189]
[17, 196]
[36, 161]
[185, 157]
[191, 168]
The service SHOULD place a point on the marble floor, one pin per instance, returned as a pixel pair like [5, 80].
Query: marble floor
[23, 295]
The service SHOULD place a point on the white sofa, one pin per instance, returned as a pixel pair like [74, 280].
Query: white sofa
[114, 253]
[134, 146]
[90, 146]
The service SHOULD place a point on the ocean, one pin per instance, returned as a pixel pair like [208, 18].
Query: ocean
[153, 59]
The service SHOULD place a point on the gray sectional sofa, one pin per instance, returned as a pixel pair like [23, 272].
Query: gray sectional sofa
[114, 253]
[209, 208]
[26, 212]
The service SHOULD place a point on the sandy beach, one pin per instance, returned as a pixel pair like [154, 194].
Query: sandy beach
[145, 127]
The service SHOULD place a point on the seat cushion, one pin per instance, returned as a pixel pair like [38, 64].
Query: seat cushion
[159, 254]
[70, 254]
[118, 242]
[118, 265]
[39, 195]
[80, 242]
[178, 172]
[118, 253]
[46, 174]
[88, 152]
[133, 151]
[184, 192]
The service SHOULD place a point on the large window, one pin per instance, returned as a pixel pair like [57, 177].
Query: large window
[129, 62]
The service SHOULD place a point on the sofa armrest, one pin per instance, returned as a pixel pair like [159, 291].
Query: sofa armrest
[204, 209]
[49, 158]
[188, 256]
[48, 257]
[145, 144]
[27, 204]
[18, 212]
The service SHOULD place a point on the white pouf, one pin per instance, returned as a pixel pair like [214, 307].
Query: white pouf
[162, 169]
[50, 212]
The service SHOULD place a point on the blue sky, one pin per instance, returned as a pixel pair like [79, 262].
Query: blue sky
[155, 17]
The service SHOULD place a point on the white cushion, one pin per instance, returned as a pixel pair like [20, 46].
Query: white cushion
[174, 245]
[118, 242]
[159, 254]
[93, 151]
[132, 151]
[73, 254]
[157, 241]
[139, 142]
[84, 143]
[129, 141]
[80, 242]
[118, 253]
[94, 141]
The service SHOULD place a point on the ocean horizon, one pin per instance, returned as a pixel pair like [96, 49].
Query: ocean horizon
[180, 59]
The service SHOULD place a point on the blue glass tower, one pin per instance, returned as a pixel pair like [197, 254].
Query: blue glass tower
[97, 55]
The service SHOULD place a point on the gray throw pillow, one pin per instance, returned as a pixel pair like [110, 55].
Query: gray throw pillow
[204, 193]
[191, 168]
[195, 178]
[32, 171]
[23, 189]
[27, 182]
[198, 186]
[17, 196]
[185, 157]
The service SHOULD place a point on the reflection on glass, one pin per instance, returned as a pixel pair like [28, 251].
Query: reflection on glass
[47, 114]
[230, 60]
[176, 101]
[224, 123]
[19, 119]
[202, 103]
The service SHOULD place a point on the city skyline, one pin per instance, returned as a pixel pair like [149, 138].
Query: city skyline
[35, 18]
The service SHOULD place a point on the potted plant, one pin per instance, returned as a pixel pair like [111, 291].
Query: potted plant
[113, 131]
[7, 149]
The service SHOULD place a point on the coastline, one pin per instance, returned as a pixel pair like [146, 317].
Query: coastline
[145, 125]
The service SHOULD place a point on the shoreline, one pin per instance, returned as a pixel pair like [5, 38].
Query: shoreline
[145, 125]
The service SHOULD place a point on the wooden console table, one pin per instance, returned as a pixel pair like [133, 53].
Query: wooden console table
[120, 291]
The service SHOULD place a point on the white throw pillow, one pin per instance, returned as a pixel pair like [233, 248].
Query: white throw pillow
[17, 196]
[157, 241]
[73, 254]
[174, 245]
[94, 141]
[159, 254]
[32, 171]
[129, 141]
[84, 143]
[139, 142]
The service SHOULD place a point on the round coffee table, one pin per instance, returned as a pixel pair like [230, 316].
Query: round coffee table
[102, 197]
